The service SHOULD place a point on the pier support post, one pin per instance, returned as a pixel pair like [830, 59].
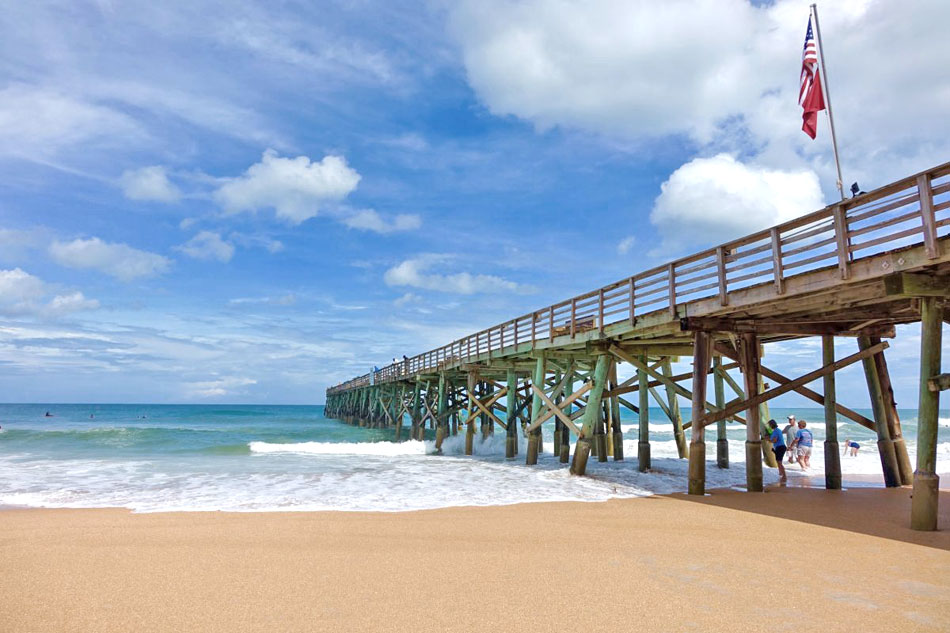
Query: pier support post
[511, 413]
[893, 419]
[722, 441]
[399, 412]
[885, 446]
[768, 455]
[616, 432]
[591, 414]
[488, 425]
[564, 454]
[923, 509]
[557, 398]
[674, 407]
[832, 457]
[600, 433]
[441, 415]
[643, 431]
[749, 362]
[469, 417]
[702, 349]
[531, 453]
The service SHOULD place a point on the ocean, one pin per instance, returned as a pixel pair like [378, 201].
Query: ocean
[152, 458]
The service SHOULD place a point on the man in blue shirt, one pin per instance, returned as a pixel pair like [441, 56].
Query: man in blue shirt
[779, 448]
[802, 443]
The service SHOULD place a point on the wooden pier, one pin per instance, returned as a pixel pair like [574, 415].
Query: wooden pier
[854, 269]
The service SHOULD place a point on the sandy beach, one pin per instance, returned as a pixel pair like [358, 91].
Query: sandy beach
[664, 563]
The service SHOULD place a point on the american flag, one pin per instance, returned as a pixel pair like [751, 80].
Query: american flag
[810, 97]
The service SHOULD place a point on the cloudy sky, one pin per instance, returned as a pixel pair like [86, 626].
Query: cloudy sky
[248, 201]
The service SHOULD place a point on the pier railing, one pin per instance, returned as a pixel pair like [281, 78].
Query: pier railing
[909, 212]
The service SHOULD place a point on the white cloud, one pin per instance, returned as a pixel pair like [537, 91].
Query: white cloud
[22, 294]
[406, 299]
[118, 260]
[722, 73]
[415, 273]
[370, 220]
[149, 183]
[38, 122]
[288, 299]
[638, 68]
[208, 245]
[73, 302]
[295, 188]
[712, 200]
[624, 245]
[217, 388]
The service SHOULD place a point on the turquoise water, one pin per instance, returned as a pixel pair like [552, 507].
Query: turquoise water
[243, 457]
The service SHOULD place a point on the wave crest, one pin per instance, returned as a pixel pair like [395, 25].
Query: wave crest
[411, 447]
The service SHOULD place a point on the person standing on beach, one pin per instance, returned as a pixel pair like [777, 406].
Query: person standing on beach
[779, 448]
[802, 445]
[789, 431]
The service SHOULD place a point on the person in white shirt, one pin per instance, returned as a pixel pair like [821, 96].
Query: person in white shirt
[789, 433]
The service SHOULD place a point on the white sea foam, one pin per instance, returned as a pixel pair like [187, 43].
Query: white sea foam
[380, 476]
[411, 447]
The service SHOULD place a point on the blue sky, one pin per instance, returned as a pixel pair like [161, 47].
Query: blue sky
[249, 201]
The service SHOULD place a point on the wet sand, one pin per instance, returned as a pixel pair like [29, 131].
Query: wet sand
[674, 563]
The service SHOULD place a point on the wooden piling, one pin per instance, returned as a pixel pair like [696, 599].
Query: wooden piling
[589, 419]
[832, 457]
[531, 452]
[399, 413]
[442, 412]
[885, 446]
[470, 416]
[511, 413]
[722, 441]
[615, 430]
[749, 363]
[643, 436]
[768, 455]
[893, 418]
[702, 350]
[488, 425]
[674, 408]
[565, 450]
[923, 511]
[558, 398]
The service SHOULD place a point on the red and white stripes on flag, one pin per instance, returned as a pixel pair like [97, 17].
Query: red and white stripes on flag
[810, 97]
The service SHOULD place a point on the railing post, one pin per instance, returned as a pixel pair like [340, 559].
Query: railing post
[671, 278]
[551, 324]
[516, 334]
[927, 216]
[841, 238]
[721, 267]
[534, 327]
[573, 315]
[777, 261]
[600, 305]
[633, 318]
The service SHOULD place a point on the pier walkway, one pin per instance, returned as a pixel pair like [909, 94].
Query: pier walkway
[856, 268]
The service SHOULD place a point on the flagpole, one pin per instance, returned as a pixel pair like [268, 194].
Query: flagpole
[824, 86]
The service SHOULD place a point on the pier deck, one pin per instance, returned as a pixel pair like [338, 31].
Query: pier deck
[856, 268]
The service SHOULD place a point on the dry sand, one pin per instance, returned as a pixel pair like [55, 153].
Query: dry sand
[719, 563]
